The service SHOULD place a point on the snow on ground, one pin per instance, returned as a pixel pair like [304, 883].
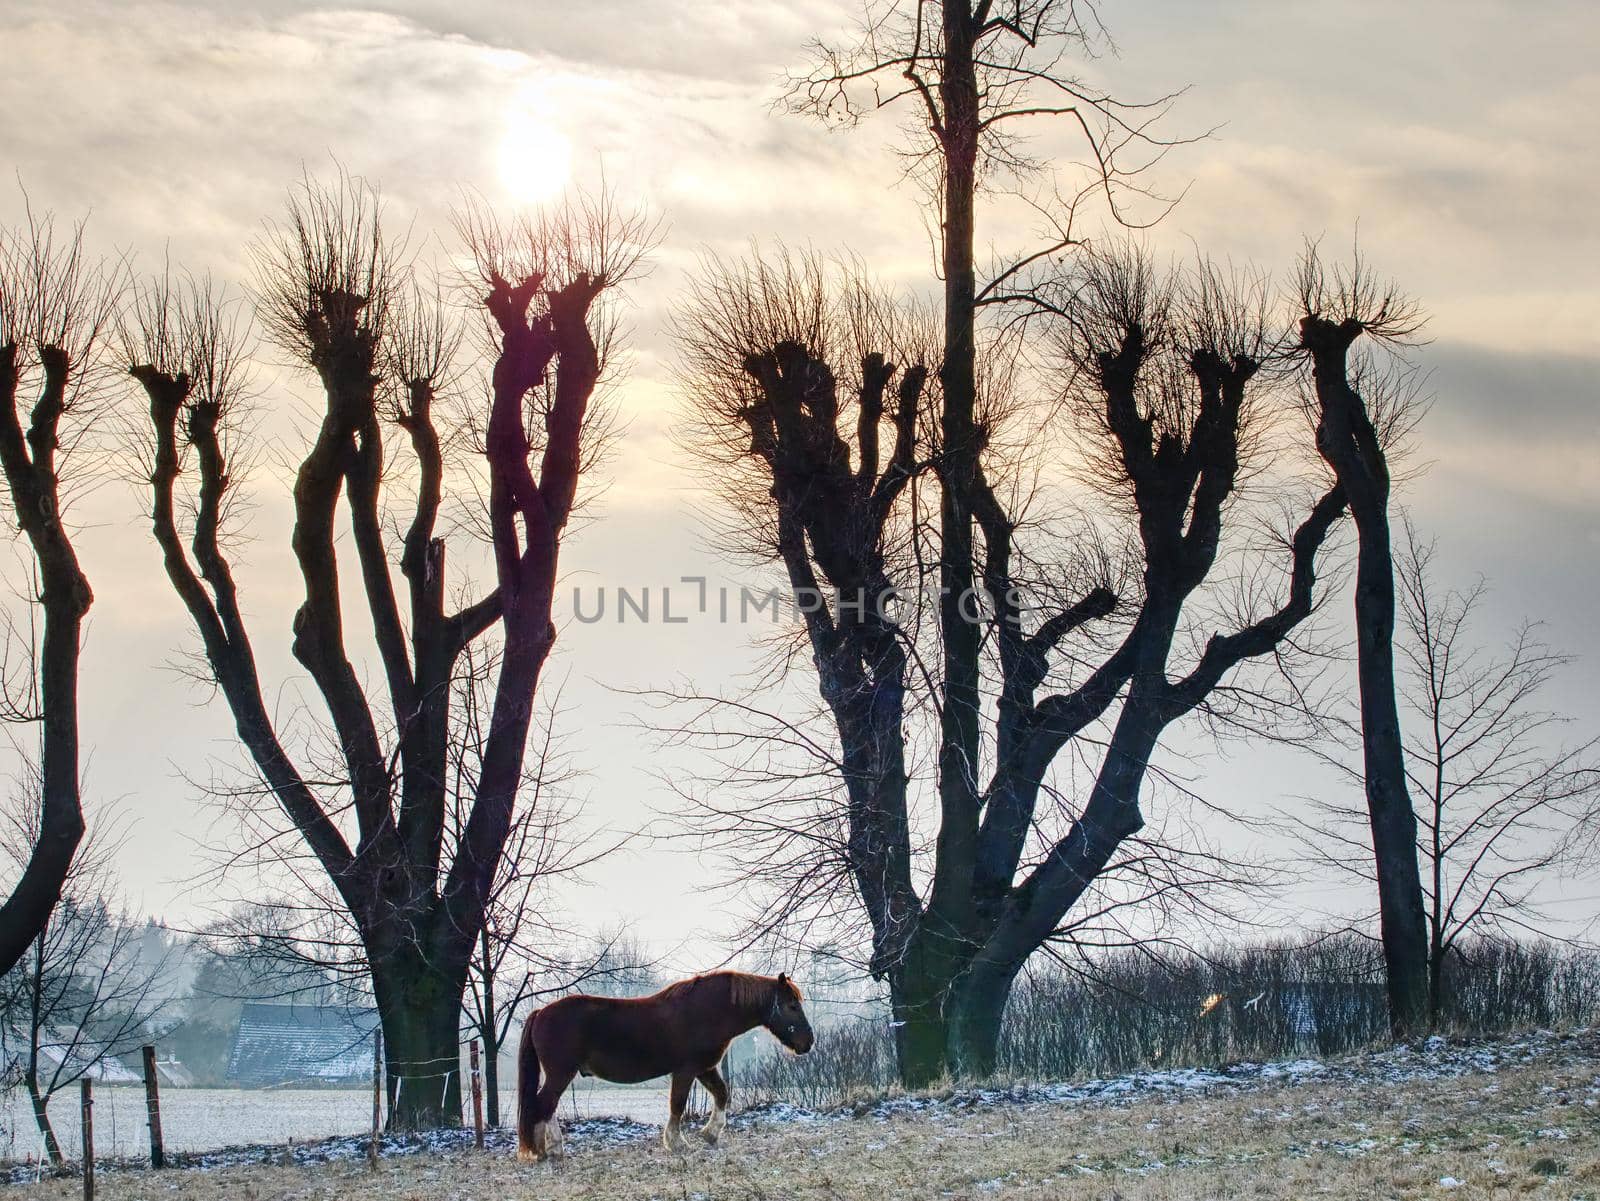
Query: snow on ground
[1435, 1059]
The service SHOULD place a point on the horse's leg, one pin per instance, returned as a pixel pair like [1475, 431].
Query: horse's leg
[530, 1132]
[550, 1136]
[718, 1121]
[682, 1082]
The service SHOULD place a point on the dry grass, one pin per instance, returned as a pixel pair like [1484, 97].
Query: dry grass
[1529, 1132]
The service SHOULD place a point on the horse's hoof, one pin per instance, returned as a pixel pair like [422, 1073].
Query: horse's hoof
[715, 1125]
[525, 1155]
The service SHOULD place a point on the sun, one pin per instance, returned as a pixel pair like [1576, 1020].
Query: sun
[535, 155]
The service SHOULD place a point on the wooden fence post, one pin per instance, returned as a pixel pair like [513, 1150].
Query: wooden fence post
[477, 1099]
[377, 1096]
[152, 1104]
[86, 1103]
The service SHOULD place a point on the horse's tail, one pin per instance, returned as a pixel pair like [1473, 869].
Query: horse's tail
[527, 1092]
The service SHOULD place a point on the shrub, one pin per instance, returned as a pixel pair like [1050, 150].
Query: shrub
[1133, 1010]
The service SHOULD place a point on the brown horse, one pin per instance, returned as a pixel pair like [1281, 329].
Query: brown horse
[682, 1031]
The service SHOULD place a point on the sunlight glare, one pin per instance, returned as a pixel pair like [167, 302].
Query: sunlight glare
[535, 155]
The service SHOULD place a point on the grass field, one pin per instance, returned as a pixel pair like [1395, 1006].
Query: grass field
[1530, 1130]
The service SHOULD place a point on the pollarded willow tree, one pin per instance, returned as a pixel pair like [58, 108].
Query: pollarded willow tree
[1359, 415]
[818, 403]
[337, 296]
[57, 307]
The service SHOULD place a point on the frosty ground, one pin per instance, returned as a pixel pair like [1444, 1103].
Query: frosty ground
[1514, 1118]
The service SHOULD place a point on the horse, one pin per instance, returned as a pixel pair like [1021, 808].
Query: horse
[683, 1031]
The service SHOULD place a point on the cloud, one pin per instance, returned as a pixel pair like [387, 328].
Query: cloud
[1525, 424]
[746, 40]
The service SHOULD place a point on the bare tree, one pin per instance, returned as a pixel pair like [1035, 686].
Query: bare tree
[975, 75]
[83, 993]
[1168, 403]
[1500, 794]
[336, 294]
[1360, 415]
[56, 307]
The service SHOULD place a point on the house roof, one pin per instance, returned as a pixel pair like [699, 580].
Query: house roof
[60, 1050]
[282, 1044]
[172, 1074]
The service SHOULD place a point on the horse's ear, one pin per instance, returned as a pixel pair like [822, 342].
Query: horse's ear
[782, 979]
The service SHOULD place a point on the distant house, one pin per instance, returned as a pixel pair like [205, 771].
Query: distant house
[172, 1074]
[60, 1052]
[301, 1044]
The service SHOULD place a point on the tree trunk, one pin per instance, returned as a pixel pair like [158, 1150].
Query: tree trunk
[36, 1018]
[491, 1079]
[41, 1104]
[978, 999]
[489, 1026]
[1394, 823]
[420, 1008]
[916, 998]
[950, 895]
[35, 895]
[977, 1007]
[1437, 946]
[65, 598]
[1436, 987]
[41, 1115]
[1351, 445]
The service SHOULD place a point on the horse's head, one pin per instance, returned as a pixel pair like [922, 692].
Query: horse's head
[786, 1018]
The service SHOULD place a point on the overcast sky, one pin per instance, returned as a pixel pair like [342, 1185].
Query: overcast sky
[1456, 134]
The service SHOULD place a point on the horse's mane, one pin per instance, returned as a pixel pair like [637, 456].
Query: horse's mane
[744, 988]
